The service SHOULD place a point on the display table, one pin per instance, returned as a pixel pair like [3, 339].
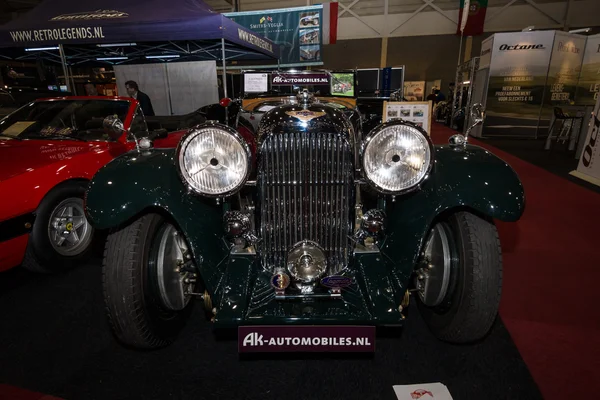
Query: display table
[577, 118]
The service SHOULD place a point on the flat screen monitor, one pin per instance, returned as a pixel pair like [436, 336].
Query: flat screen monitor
[397, 78]
[342, 84]
[368, 81]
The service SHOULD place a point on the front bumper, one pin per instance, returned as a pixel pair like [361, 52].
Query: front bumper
[245, 297]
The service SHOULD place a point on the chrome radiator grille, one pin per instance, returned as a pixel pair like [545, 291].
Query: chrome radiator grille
[305, 181]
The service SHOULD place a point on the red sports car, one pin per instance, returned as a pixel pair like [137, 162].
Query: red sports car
[49, 150]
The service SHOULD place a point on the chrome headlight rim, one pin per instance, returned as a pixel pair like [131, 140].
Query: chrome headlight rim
[195, 131]
[374, 132]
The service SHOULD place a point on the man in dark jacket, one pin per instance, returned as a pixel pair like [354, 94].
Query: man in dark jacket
[134, 91]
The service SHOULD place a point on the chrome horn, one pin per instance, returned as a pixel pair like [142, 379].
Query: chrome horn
[477, 117]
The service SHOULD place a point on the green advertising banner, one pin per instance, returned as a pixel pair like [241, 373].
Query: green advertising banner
[298, 31]
[589, 80]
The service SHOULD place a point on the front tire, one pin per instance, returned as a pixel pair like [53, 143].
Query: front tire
[61, 237]
[460, 280]
[147, 299]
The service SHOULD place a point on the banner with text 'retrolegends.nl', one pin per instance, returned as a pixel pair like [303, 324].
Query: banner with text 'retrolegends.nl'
[298, 31]
[563, 75]
[589, 79]
[589, 163]
[517, 78]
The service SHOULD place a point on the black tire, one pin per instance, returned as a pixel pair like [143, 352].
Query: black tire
[40, 255]
[471, 303]
[136, 314]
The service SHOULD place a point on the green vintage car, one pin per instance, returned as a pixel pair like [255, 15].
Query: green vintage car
[306, 221]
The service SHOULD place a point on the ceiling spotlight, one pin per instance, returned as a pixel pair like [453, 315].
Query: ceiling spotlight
[528, 29]
[116, 44]
[41, 48]
[111, 58]
[582, 30]
[165, 56]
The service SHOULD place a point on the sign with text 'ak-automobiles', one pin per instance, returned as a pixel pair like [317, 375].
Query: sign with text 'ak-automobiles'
[306, 338]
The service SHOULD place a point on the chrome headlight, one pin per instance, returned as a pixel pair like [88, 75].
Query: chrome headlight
[214, 160]
[396, 157]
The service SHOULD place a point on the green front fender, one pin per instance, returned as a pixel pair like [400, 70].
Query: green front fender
[470, 179]
[138, 182]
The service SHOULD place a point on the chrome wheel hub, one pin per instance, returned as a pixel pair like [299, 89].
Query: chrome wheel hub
[68, 230]
[173, 267]
[433, 278]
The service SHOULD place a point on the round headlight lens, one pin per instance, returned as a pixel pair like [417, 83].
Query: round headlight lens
[396, 158]
[213, 161]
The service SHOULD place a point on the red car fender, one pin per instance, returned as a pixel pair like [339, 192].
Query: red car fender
[23, 190]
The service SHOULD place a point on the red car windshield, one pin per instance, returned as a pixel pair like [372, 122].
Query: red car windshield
[63, 119]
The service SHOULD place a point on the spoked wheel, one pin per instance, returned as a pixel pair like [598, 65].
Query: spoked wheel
[168, 254]
[61, 237]
[440, 258]
[149, 279]
[459, 279]
[69, 232]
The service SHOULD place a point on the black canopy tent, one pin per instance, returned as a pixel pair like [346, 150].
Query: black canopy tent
[116, 32]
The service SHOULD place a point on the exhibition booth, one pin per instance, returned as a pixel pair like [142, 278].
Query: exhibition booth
[158, 44]
[532, 85]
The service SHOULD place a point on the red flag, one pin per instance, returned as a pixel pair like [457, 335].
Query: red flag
[330, 22]
[475, 17]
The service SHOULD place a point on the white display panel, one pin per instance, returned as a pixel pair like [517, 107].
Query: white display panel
[589, 163]
[414, 90]
[174, 88]
[418, 112]
[151, 79]
[192, 85]
[589, 79]
[256, 83]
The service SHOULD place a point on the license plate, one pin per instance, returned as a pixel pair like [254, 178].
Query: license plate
[299, 338]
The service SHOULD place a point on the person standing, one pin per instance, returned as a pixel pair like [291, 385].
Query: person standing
[432, 97]
[134, 91]
[91, 90]
[439, 95]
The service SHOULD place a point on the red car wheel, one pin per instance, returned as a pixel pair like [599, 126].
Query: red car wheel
[61, 236]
